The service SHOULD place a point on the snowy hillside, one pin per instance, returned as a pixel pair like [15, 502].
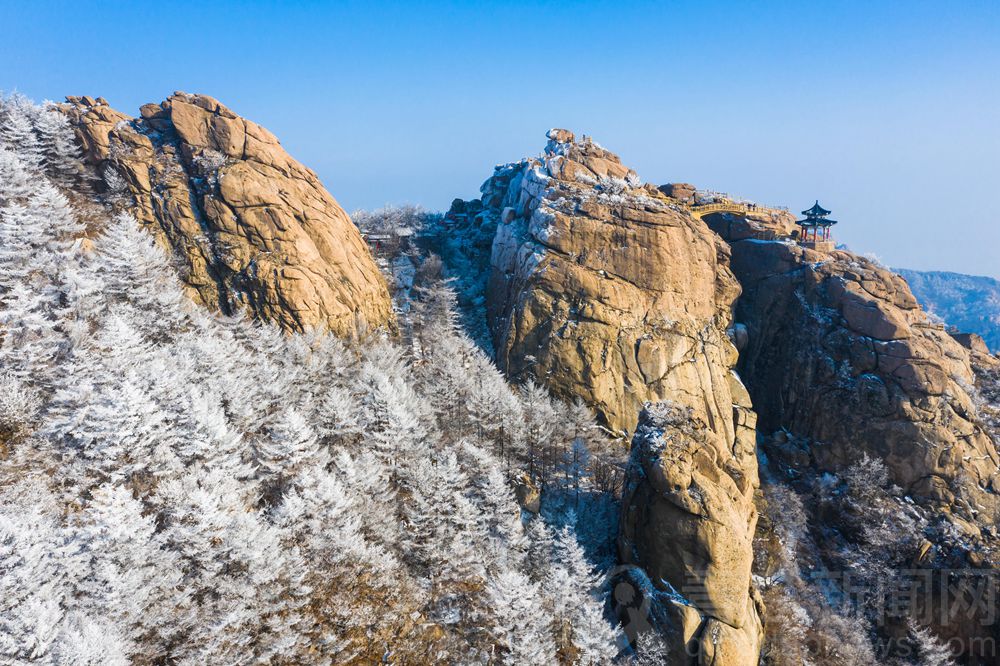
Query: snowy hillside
[178, 487]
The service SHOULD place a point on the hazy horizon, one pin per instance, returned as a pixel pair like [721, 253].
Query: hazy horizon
[887, 116]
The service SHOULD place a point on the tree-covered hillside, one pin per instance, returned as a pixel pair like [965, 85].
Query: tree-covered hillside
[180, 487]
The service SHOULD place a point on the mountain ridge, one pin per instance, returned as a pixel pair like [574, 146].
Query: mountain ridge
[345, 476]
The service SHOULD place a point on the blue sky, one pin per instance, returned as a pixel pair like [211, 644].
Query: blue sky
[889, 113]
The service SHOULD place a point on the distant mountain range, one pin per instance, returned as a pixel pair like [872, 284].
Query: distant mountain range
[970, 303]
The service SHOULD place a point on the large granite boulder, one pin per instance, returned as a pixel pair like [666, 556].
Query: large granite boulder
[681, 191]
[254, 230]
[760, 224]
[603, 289]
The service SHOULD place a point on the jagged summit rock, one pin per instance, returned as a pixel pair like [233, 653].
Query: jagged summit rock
[254, 228]
[557, 135]
[602, 288]
[605, 289]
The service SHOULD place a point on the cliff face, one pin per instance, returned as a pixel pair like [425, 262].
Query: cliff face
[254, 229]
[842, 365]
[601, 289]
[604, 289]
[688, 521]
[839, 352]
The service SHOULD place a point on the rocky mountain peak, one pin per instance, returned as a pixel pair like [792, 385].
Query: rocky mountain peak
[254, 229]
[604, 289]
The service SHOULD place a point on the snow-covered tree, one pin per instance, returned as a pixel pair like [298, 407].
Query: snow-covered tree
[17, 132]
[129, 579]
[930, 651]
[521, 626]
[36, 568]
[290, 446]
[131, 265]
[60, 154]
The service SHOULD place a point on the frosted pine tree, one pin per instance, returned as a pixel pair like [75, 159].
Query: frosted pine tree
[60, 154]
[130, 579]
[521, 625]
[572, 585]
[287, 450]
[16, 181]
[17, 132]
[120, 434]
[88, 641]
[930, 650]
[135, 269]
[36, 571]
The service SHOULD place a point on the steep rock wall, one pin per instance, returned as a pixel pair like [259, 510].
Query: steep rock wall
[604, 289]
[688, 521]
[601, 289]
[839, 351]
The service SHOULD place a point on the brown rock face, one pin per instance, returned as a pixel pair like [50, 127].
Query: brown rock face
[679, 191]
[255, 230]
[838, 351]
[688, 519]
[602, 288]
[767, 224]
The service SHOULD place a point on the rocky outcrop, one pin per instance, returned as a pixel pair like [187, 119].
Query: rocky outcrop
[601, 289]
[842, 363]
[762, 224]
[688, 520]
[839, 352]
[684, 192]
[254, 229]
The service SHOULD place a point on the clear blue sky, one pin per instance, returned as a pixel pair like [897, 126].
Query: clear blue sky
[888, 112]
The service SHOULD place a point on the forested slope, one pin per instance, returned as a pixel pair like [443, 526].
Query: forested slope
[181, 487]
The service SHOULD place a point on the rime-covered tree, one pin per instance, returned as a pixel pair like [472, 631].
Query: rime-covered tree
[521, 625]
[930, 651]
[60, 154]
[17, 132]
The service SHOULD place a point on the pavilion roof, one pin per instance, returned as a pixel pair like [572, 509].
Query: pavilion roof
[816, 210]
